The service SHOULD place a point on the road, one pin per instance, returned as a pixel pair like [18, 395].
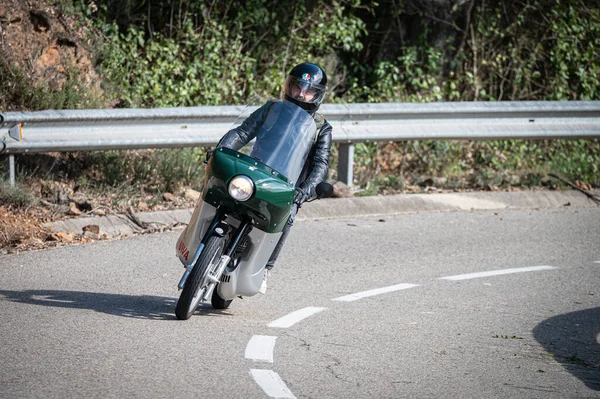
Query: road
[425, 305]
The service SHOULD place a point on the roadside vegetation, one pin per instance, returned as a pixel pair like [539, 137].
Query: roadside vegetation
[167, 53]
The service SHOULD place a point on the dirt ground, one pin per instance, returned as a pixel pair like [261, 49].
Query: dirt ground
[22, 228]
[45, 42]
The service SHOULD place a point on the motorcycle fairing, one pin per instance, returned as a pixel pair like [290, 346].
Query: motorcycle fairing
[270, 205]
[191, 237]
[247, 276]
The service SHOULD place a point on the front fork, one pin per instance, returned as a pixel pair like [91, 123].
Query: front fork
[213, 278]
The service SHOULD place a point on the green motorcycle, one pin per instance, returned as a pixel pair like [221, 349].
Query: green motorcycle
[246, 201]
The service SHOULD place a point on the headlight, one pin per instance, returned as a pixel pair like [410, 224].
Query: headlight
[241, 188]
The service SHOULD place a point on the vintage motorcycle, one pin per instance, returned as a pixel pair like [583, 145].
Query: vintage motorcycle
[247, 199]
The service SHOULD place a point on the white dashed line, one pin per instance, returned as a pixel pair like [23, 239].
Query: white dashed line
[294, 317]
[497, 272]
[271, 383]
[260, 348]
[377, 291]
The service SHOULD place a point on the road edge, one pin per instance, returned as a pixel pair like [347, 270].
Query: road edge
[334, 208]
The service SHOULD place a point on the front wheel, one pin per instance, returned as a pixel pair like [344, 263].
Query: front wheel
[196, 285]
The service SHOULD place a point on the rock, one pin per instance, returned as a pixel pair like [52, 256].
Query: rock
[49, 67]
[169, 197]
[73, 209]
[62, 196]
[191, 194]
[441, 181]
[90, 235]
[99, 212]
[93, 228]
[77, 197]
[340, 190]
[61, 236]
[142, 206]
[80, 200]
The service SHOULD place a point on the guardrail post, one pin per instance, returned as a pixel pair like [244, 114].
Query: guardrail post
[11, 168]
[345, 163]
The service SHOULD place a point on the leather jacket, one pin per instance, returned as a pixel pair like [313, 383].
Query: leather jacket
[317, 165]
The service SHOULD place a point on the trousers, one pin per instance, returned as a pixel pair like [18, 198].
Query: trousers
[285, 233]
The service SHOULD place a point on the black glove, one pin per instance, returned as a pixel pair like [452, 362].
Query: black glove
[300, 196]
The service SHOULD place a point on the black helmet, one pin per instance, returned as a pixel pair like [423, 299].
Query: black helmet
[306, 80]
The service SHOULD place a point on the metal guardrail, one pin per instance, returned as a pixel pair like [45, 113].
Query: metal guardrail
[85, 130]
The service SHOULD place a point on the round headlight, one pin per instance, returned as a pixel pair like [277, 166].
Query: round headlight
[241, 188]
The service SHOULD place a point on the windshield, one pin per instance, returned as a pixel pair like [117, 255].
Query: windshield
[284, 139]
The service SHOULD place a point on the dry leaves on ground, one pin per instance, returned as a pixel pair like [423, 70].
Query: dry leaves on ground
[23, 230]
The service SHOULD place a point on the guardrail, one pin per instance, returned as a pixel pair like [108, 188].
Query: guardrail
[87, 130]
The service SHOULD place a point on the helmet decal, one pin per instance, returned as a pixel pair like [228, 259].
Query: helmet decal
[306, 76]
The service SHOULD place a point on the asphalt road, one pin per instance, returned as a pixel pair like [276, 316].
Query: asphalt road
[98, 321]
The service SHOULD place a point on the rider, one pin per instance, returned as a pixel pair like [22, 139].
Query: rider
[305, 86]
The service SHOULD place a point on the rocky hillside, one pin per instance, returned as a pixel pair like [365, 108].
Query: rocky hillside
[46, 45]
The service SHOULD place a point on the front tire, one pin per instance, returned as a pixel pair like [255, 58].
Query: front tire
[196, 284]
[218, 302]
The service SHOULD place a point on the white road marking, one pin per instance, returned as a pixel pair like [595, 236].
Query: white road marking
[260, 348]
[497, 272]
[294, 317]
[597, 261]
[377, 291]
[271, 383]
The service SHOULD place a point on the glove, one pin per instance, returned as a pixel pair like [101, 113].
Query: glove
[300, 196]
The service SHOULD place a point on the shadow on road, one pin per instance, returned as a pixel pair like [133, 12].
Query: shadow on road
[572, 339]
[141, 307]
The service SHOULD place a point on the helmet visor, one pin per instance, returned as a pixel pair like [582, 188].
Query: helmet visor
[303, 90]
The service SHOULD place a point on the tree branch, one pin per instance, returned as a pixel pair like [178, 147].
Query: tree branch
[591, 196]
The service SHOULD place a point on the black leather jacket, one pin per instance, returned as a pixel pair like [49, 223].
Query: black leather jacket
[317, 165]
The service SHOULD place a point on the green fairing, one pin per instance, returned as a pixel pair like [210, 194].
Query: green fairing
[271, 203]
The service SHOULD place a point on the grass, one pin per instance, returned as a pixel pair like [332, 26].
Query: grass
[110, 179]
[394, 166]
[127, 177]
[147, 171]
[18, 195]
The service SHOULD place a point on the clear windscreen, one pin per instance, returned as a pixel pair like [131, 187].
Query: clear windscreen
[283, 141]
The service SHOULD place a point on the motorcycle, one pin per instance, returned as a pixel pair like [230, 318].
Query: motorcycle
[247, 199]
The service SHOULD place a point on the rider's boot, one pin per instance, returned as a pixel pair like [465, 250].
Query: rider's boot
[263, 286]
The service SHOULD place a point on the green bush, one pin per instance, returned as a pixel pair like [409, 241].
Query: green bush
[219, 55]
[167, 53]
